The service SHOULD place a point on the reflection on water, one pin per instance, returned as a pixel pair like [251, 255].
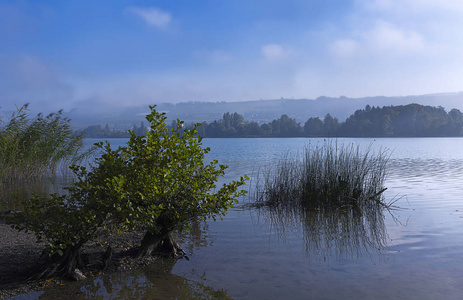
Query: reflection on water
[196, 237]
[340, 233]
[419, 168]
[276, 257]
[154, 281]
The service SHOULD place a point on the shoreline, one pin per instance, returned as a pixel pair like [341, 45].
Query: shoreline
[20, 253]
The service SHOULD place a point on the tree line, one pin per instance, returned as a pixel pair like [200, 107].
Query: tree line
[98, 131]
[412, 120]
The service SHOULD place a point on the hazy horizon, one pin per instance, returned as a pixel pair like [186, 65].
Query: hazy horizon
[97, 54]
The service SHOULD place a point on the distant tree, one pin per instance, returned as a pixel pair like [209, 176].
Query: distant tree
[403, 120]
[330, 125]
[387, 128]
[236, 120]
[455, 125]
[227, 120]
[266, 129]
[215, 129]
[201, 129]
[253, 129]
[106, 131]
[141, 131]
[286, 127]
[94, 131]
[313, 127]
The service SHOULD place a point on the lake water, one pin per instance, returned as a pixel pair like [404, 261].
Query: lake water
[416, 254]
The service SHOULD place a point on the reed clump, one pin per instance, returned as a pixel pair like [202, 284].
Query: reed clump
[327, 176]
[36, 147]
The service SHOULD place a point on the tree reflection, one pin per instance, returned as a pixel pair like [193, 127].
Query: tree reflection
[155, 281]
[195, 238]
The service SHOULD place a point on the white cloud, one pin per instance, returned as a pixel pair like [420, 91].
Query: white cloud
[412, 6]
[383, 39]
[386, 36]
[153, 16]
[273, 52]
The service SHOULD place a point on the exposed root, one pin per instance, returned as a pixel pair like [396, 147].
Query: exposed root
[162, 244]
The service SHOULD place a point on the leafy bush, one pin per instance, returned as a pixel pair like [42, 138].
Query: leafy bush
[65, 223]
[156, 184]
[160, 182]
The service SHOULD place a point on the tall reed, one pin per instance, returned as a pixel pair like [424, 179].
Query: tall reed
[33, 148]
[333, 193]
[328, 176]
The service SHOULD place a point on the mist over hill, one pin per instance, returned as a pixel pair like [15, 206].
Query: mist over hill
[260, 110]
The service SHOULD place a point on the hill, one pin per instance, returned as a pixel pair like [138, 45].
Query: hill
[260, 111]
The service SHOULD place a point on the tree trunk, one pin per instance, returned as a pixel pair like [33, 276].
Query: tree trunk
[162, 244]
[65, 265]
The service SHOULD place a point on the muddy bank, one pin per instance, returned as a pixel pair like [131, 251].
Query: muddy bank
[20, 255]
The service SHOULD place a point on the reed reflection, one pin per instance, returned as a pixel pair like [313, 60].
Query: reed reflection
[345, 232]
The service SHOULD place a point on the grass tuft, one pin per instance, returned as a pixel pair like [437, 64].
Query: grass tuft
[34, 148]
[327, 176]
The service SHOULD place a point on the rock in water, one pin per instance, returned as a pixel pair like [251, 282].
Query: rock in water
[77, 275]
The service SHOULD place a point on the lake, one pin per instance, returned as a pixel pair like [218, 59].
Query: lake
[415, 252]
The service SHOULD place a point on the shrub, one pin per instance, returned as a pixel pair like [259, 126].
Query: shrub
[65, 222]
[155, 184]
[161, 182]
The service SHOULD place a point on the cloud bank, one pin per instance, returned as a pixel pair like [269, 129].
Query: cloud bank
[227, 51]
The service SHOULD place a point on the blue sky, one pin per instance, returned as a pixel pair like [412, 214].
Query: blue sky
[62, 54]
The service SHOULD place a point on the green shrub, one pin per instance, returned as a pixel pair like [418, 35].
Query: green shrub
[155, 184]
[161, 182]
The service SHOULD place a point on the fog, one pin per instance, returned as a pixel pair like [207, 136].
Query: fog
[101, 58]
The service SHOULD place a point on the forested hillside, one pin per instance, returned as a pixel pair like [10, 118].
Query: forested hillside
[260, 111]
[412, 120]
